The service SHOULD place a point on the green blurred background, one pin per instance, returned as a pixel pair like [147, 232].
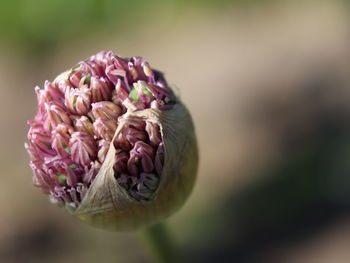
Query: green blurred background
[267, 83]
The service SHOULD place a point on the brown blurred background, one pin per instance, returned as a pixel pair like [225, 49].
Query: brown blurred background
[267, 83]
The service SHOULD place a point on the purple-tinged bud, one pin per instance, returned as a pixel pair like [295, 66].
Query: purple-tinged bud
[89, 68]
[55, 115]
[62, 170]
[41, 95]
[75, 78]
[137, 61]
[105, 128]
[103, 58]
[40, 140]
[83, 148]
[100, 89]
[129, 136]
[133, 131]
[133, 122]
[141, 159]
[54, 93]
[60, 139]
[43, 98]
[35, 154]
[121, 159]
[106, 110]
[121, 92]
[160, 93]
[84, 124]
[134, 135]
[116, 100]
[141, 94]
[78, 101]
[91, 172]
[114, 73]
[42, 179]
[119, 63]
[62, 81]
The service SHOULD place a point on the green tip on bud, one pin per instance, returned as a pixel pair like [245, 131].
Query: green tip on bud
[62, 179]
[140, 88]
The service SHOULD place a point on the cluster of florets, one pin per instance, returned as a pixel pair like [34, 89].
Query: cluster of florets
[78, 114]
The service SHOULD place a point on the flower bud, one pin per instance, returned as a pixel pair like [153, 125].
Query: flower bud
[84, 124]
[105, 110]
[105, 128]
[39, 139]
[78, 101]
[100, 89]
[60, 139]
[112, 144]
[75, 78]
[55, 115]
[83, 148]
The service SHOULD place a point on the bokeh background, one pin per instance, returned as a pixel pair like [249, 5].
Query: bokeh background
[267, 83]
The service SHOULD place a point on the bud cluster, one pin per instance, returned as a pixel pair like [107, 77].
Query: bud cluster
[78, 114]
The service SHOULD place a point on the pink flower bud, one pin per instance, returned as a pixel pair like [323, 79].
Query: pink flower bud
[110, 135]
[105, 110]
[83, 148]
[105, 128]
[100, 89]
[60, 139]
[120, 163]
[40, 140]
[141, 159]
[55, 115]
[75, 78]
[78, 101]
[84, 124]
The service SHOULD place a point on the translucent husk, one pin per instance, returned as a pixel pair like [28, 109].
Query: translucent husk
[108, 205]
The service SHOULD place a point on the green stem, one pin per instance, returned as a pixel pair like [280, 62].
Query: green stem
[160, 243]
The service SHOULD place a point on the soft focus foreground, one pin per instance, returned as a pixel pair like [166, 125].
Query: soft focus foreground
[267, 85]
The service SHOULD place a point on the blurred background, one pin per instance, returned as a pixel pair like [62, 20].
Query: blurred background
[267, 83]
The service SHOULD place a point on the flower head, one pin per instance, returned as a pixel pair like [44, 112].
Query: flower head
[100, 133]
